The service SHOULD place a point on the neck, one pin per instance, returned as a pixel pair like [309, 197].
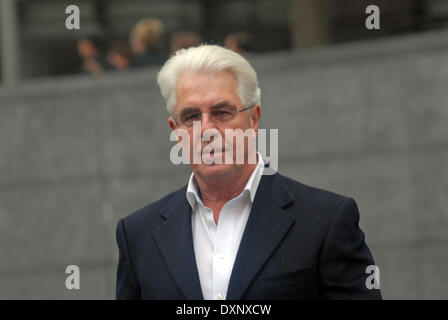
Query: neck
[217, 192]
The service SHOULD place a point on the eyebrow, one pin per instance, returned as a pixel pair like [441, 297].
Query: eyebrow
[222, 104]
[188, 110]
[219, 105]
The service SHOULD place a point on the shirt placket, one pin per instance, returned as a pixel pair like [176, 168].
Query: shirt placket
[221, 252]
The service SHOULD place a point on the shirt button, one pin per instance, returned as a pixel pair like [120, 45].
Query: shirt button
[208, 221]
[221, 255]
[220, 296]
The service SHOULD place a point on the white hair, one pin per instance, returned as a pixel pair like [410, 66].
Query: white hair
[208, 58]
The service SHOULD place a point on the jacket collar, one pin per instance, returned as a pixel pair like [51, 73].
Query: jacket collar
[175, 241]
[267, 225]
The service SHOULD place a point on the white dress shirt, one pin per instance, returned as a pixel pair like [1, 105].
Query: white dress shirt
[216, 246]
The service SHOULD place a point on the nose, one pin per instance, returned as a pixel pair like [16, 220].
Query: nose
[207, 123]
[210, 133]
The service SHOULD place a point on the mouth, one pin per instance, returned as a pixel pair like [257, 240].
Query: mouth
[214, 152]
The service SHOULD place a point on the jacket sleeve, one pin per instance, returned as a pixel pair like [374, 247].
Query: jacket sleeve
[345, 257]
[126, 286]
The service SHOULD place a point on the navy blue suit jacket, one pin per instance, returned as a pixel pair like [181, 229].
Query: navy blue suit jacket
[299, 243]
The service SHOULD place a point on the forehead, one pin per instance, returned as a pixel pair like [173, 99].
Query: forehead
[204, 89]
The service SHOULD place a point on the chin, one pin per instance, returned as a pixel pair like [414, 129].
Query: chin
[213, 171]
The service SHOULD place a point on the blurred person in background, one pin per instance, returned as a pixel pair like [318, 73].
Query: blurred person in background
[119, 55]
[237, 41]
[145, 40]
[184, 40]
[93, 62]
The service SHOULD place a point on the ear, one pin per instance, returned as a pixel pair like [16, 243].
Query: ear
[172, 123]
[173, 126]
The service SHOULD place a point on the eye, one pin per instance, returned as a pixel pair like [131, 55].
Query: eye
[221, 113]
[194, 116]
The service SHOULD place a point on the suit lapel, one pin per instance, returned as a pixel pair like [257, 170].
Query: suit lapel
[175, 241]
[267, 225]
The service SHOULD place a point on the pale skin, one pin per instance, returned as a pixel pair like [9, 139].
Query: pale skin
[218, 183]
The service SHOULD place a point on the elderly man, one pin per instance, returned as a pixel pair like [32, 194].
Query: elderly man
[233, 232]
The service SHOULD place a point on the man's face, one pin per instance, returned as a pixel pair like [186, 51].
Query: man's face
[205, 92]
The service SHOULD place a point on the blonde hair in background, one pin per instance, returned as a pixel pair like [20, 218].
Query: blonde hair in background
[145, 34]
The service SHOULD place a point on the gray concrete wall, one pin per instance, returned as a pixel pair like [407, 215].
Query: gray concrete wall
[367, 120]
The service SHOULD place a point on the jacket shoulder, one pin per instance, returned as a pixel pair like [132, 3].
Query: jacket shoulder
[151, 212]
[313, 197]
